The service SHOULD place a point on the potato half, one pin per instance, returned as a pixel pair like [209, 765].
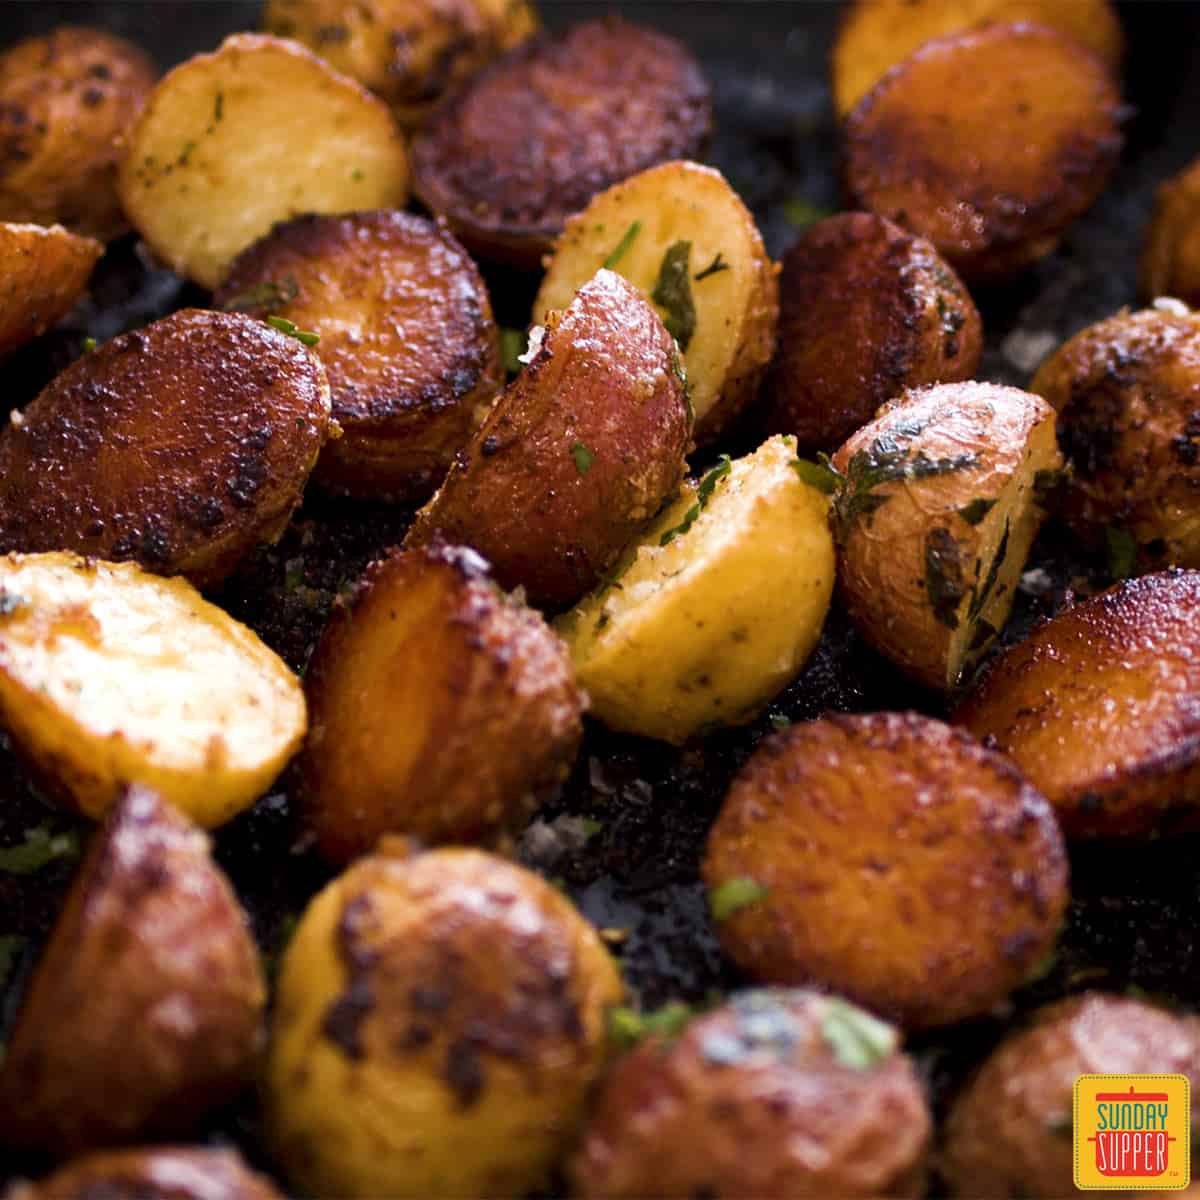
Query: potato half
[683, 237]
[111, 676]
[1171, 261]
[257, 132]
[715, 608]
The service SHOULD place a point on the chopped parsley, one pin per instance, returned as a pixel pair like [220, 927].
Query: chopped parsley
[1120, 552]
[673, 293]
[583, 458]
[622, 247]
[779, 721]
[717, 264]
[39, 848]
[266, 297]
[703, 494]
[677, 369]
[293, 330]
[857, 1039]
[822, 475]
[733, 895]
[512, 346]
[974, 512]
[627, 1026]
[944, 576]
[801, 213]
[89, 345]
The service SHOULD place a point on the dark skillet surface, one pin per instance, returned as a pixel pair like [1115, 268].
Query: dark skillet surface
[1135, 907]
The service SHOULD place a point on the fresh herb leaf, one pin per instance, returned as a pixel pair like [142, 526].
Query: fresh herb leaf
[733, 895]
[680, 373]
[778, 721]
[293, 330]
[801, 213]
[512, 346]
[944, 583]
[717, 264]
[622, 247]
[974, 512]
[591, 826]
[583, 458]
[821, 475]
[266, 297]
[10, 602]
[857, 1039]
[1121, 552]
[703, 494]
[673, 293]
[89, 345]
[627, 1026]
[39, 848]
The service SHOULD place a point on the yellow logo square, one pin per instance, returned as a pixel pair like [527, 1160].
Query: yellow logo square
[1132, 1132]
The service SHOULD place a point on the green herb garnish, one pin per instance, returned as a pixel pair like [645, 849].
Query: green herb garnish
[673, 293]
[857, 1039]
[717, 264]
[622, 247]
[703, 494]
[293, 330]
[266, 297]
[89, 345]
[680, 373]
[801, 213]
[778, 721]
[974, 512]
[1121, 552]
[944, 576]
[733, 895]
[821, 475]
[627, 1026]
[512, 346]
[583, 458]
[39, 848]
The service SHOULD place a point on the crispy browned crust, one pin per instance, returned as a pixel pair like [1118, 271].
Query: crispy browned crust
[145, 1011]
[182, 446]
[536, 135]
[908, 867]
[866, 311]
[988, 143]
[1171, 261]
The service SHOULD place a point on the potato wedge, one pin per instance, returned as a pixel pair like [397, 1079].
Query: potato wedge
[183, 445]
[939, 501]
[578, 453]
[1099, 707]
[891, 858]
[682, 236]
[715, 608]
[988, 143]
[257, 132]
[111, 676]
[1171, 260]
[407, 339]
[531, 139]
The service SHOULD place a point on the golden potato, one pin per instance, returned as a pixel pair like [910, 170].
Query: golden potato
[866, 310]
[715, 608]
[67, 98]
[937, 507]
[407, 339]
[440, 1020]
[1171, 260]
[257, 132]
[683, 237]
[988, 143]
[1099, 706]
[891, 858]
[145, 1011]
[182, 445]
[111, 676]
[577, 455]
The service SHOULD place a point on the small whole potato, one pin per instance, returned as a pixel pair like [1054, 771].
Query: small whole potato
[1171, 260]
[145, 1011]
[776, 1093]
[439, 1022]
[891, 858]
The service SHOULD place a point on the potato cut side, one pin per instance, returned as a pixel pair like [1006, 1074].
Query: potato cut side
[111, 676]
[254, 133]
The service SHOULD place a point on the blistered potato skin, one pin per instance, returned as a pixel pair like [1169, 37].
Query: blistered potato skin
[439, 1024]
[66, 100]
[1171, 259]
[908, 867]
[578, 453]
[154, 948]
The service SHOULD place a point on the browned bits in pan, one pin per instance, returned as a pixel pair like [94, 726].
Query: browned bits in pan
[1171, 262]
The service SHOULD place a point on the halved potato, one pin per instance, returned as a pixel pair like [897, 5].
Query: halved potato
[715, 608]
[110, 676]
[937, 507]
[683, 237]
[257, 132]
[1171, 261]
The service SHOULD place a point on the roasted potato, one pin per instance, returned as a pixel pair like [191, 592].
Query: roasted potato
[715, 608]
[111, 676]
[891, 858]
[576, 455]
[988, 143]
[1099, 707]
[1171, 261]
[680, 234]
[866, 310]
[67, 99]
[440, 1020]
[257, 132]
[1009, 1132]
[407, 339]
[439, 707]
[939, 501]
[776, 1093]
[182, 445]
[532, 138]
[145, 1011]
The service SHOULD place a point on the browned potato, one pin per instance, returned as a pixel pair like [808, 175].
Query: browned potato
[1171, 262]
[407, 339]
[536, 135]
[145, 1011]
[578, 453]
[989, 143]
[865, 311]
[66, 100]
[1100, 707]
[890, 858]
[777, 1093]
[1009, 1132]
[182, 446]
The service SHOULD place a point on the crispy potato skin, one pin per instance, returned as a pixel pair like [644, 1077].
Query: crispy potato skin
[1005, 1134]
[439, 707]
[532, 138]
[182, 446]
[66, 100]
[1171, 260]
[937, 899]
[752, 1101]
[988, 143]
[1098, 706]
[153, 946]
[407, 339]
[440, 1021]
[576, 455]
[866, 311]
